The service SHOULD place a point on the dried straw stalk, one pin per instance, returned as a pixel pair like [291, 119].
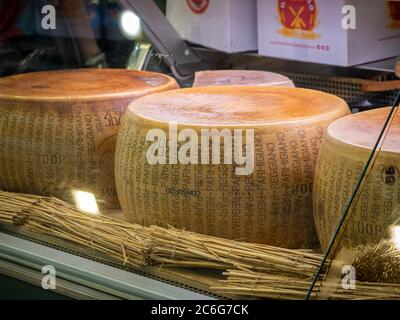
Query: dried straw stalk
[182, 248]
[262, 285]
[256, 270]
[123, 242]
[378, 262]
[132, 244]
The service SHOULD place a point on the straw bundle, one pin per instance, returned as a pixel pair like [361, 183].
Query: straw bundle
[263, 285]
[252, 270]
[123, 242]
[378, 262]
[132, 244]
[182, 248]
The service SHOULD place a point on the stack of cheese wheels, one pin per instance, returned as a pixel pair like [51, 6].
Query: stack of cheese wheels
[58, 129]
[240, 77]
[264, 198]
[344, 152]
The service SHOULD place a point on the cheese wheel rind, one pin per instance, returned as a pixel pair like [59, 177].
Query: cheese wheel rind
[240, 77]
[344, 151]
[272, 205]
[58, 129]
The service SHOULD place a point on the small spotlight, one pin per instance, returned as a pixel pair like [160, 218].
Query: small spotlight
[86, 202]
[396, 236]
[130, 25]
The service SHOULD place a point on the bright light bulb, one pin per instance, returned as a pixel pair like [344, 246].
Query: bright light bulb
[396, 236]
[86, 202]
[130, 25]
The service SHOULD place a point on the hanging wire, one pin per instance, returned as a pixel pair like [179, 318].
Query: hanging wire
[355, 193]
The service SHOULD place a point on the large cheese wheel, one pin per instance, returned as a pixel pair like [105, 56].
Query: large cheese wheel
[240, 77]
[58, 129]
[270, 205]
[344, 152]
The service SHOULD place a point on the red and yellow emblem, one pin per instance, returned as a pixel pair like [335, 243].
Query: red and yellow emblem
[299, 18]
[198, 6]
[394, 13]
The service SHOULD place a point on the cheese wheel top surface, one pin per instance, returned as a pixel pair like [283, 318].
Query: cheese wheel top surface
[239, 106]
[362, 129]
[83, 84]
[240, 77]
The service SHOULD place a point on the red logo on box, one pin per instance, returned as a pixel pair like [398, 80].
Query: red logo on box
[299, 18]
[394, 13]
[198, 6]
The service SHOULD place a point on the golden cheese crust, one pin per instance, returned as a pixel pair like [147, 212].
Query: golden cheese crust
[58, 129]
[271, 203]
[240, 77]
[342, 157]
[83, 84]
[362, 130]
[239, 106]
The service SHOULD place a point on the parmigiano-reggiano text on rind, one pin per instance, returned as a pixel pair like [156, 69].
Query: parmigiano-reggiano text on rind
[58, 129]
[346, 147]
[271, 205]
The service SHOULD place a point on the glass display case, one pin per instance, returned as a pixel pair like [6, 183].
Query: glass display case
[88, 89]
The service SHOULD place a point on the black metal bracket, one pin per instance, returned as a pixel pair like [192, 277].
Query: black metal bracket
[163, 36]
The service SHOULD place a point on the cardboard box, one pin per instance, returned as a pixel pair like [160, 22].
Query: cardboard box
[312, 30]
[225, 25]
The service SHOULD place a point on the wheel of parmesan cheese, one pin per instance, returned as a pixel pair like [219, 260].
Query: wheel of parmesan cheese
[58, 129]
[263, 197]
[344, 152]
[240, 77]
